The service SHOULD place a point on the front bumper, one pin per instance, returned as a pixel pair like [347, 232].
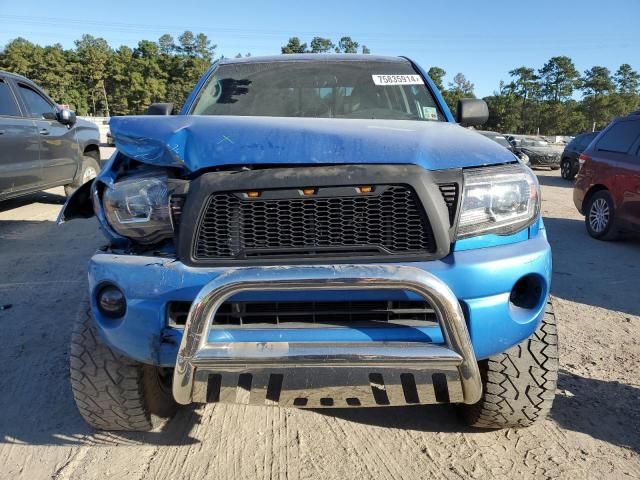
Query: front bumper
[480, 278]
[311, 374]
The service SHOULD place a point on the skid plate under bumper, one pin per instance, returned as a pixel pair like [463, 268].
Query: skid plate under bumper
[313, 374]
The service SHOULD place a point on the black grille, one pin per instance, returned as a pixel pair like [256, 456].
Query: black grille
[388, 221]
[313, 314]
[450, 195]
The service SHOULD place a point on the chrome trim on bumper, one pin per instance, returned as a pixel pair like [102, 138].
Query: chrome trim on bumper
[318, 371]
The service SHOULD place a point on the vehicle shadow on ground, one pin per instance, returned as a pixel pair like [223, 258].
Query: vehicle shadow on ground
[593, 272]
[605, 410]
[72, 430]
[553, 180]
[39, 197]
[422, 418]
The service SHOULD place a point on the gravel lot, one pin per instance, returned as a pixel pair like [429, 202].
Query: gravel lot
[593, 432]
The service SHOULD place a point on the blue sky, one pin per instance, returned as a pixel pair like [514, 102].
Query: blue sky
[482, 39]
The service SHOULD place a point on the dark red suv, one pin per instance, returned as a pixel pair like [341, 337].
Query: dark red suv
[607, 190]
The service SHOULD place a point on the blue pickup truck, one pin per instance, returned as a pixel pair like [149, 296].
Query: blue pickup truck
[314, 231]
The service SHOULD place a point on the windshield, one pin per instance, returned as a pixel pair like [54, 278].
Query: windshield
[321, 89]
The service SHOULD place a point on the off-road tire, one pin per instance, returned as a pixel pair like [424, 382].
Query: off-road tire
[90, 161]
[519, 385]
[611, 231]
[113, 392]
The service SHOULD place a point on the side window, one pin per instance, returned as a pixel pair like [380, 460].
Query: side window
[36, 103]
[620, 137]
[583, 141]
[588, 139]
[8, 105]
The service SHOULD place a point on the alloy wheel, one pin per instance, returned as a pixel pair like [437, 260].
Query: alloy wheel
[599, 215]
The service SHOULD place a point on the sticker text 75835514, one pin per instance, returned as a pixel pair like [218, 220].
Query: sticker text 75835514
[397, 79]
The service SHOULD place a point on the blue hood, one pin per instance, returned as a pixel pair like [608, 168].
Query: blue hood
[196, 142]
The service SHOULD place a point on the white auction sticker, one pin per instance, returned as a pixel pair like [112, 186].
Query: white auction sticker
[397, 79]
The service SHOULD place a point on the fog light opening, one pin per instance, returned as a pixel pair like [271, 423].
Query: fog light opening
[111, 301]
[527, 292]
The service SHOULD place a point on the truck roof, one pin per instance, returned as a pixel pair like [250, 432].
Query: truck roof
[314, 57]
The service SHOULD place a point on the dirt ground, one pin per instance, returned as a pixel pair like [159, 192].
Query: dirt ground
[593, 430]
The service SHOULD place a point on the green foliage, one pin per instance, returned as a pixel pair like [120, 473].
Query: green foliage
[294, 46]
[437, 74]
[627, 80]
[504, 110]
[543, 101]
[558, 78]
[95, 79]
[459, 88]
[347, 45]
[323, 45]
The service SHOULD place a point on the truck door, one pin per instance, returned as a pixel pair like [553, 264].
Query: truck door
[59, 153]
[20, 168]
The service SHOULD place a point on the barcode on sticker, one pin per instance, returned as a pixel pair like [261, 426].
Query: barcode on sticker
[397, 79]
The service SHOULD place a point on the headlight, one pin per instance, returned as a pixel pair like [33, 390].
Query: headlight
[137, 207]
[500, 200]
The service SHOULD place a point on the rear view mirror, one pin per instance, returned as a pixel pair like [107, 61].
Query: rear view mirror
[472, 112]
[159, 109]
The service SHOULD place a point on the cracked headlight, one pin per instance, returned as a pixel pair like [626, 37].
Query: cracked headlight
[137, 207]
[500, 200]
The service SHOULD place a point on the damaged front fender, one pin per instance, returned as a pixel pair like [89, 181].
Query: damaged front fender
[78, 205]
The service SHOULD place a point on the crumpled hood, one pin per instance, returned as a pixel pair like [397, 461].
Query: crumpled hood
[196, 142]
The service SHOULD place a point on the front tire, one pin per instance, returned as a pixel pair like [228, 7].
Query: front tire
[113, 392]
[566, 170]
[519, 385]
[600, 216]
[88, 171]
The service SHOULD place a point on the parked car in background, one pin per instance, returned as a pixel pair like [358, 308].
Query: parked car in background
[569, 163]
[502, 140]
[607, 190]
[540, 152]
[41, 145]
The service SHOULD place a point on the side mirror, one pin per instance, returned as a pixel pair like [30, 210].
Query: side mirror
[472, 112]
[66, 117]
[159, 109]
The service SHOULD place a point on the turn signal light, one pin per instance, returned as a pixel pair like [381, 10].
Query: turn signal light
[583, 158]
[365, 189]
[308, 191]
[253, 194]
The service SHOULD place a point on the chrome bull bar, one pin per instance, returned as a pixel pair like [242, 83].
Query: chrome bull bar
[311, 374]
